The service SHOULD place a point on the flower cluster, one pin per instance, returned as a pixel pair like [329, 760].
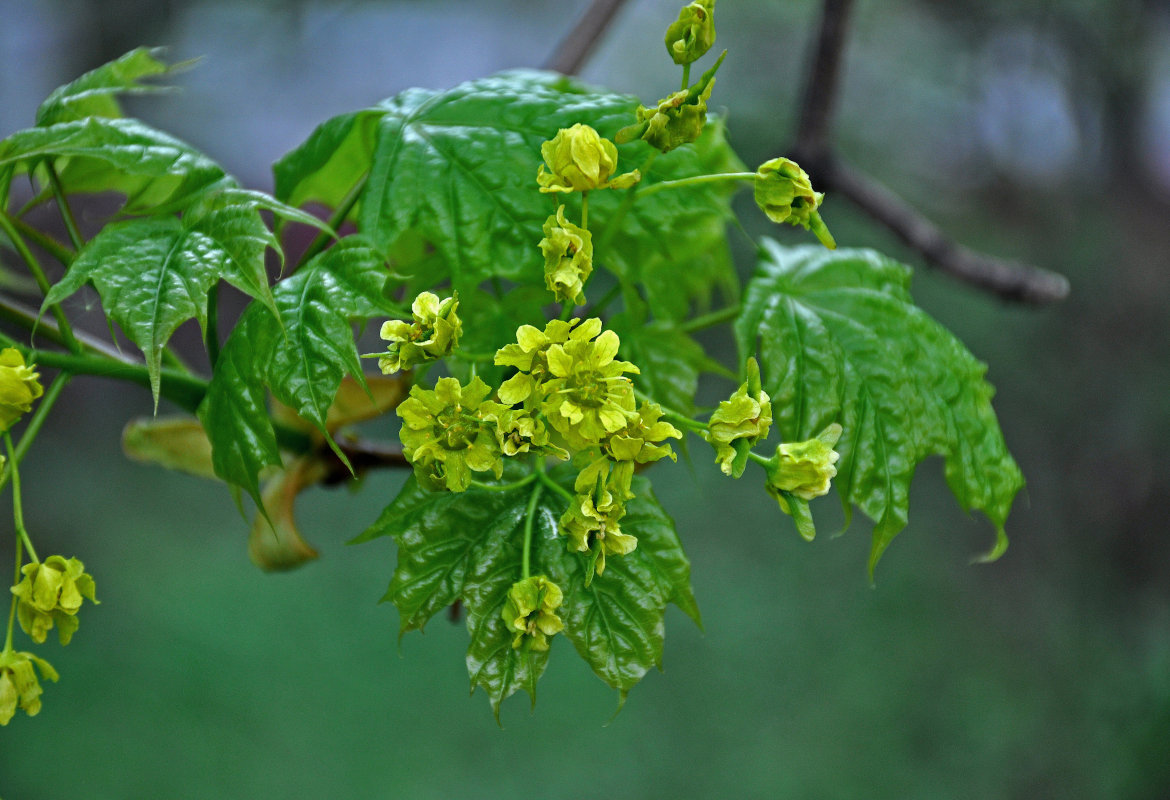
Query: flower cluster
[568, 374]
[52, 592]
[432, 334]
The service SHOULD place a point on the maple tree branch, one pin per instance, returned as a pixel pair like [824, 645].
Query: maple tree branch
[1008, 280]
[574, 50]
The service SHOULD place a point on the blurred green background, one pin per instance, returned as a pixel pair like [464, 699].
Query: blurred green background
[1036, 131]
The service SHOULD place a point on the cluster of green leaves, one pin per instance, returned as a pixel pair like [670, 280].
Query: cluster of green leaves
[441, 188]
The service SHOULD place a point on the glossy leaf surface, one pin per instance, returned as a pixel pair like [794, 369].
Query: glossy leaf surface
[458, 169]
[94, 94]
[152, 169]
[469, 546]
[300, 354]
[839, 339]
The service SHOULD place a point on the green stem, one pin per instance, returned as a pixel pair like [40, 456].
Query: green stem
[550, 483]
[768, 463]
[529, 515]
[63, 207]
[672, 415]
[45, 242]
[35, 423]
[585, 210]
[185, 391]
[12, 606]
[17, 510]
[335, 222]
[38, 274]
[705, 321]
[698, 180]
[211, 330]
[504, 487]
[686, 76]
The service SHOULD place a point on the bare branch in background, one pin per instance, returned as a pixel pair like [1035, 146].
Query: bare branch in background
[822, 81]
[1005, 279]
[572, 52]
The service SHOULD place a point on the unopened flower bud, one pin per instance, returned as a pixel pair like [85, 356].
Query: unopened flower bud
[580, 160]
[693, 33]
[805, 469]
[19, 386]
[783, 192]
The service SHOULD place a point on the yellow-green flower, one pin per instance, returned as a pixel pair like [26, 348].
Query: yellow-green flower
[433, 333]
[592, 525]
[52, 592]
[588, 397]
[19, 687]
[530, 612]
[784, 192]
[19, 386]
[580, 160]
[445, 435]
[568, 258]
[519, 431]
[675, 120]
[693, 33]
[638, 441]
[805, 469]
[746, 416]
[529, 354]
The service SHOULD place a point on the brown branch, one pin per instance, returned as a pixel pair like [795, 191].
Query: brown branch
[1007, 280]
[822, 81]
[573, 50]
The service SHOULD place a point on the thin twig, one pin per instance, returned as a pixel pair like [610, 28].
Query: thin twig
[822, 82]
[572, 52]
[1007, 280]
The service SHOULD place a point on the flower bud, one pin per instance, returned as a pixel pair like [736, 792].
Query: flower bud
[19, 386]
[783, 192]
[52, 592]
[693, 33]
[568, 258]
[433, 333]
[581, 160]
[804, 469]
[740, 422]
[19, 687]
[530, 612]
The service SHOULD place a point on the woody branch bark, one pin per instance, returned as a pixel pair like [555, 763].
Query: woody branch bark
[1007, 280]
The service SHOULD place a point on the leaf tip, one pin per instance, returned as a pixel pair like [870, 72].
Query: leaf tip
[997, 550]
